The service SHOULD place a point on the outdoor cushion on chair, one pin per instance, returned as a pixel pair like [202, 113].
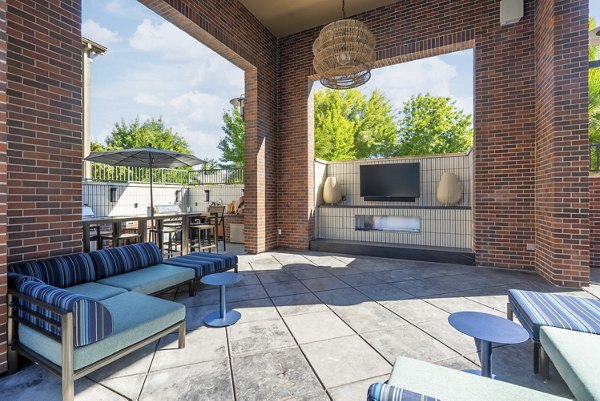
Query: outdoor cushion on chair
[536, 309]
[63, 271]
[151, 279]
[453, 385]
[123, 259]
[572, 353]
[92, 321]
[96, 291]
[204, 263]
[387, 392]
[135, 318]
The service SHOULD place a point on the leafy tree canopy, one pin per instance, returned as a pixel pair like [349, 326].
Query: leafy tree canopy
[232, 144]
[352, 125]
[594, 92]
[138, 134]
[432, 125]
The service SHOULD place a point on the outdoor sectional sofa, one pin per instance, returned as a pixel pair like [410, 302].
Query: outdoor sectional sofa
[77, 313]
[566, 330]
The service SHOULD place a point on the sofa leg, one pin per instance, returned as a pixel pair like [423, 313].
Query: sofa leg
[545, 364]
[12, 356]
[68, 384]
[181, 335]
[536, 357]
[192, 287]
[509, 312]
[235, 269]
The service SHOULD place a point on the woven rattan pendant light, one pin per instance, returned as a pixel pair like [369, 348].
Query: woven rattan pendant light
[344, 53]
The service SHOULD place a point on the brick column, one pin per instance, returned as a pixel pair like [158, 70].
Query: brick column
[562, 202]
[594, 185]
[3, 188]
[44, 128]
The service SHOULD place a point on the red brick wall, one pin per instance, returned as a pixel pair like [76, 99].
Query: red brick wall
[594, 186]
[40, 134]
[3, 206]
[504, 119]
[505, 126]
[562, 203]
[44, 128]
[232, 31]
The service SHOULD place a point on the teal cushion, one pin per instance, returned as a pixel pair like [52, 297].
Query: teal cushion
[151, 279]
[575, 356]
[95, 291]
[449, 384]
[135, 317]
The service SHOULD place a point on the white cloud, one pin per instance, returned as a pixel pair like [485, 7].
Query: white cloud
[198, 106]
[147, 99]
[96, 32]
[399, 82]
[169, 41]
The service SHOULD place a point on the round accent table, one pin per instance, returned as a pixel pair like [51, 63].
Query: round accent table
[487, 329]
[222, 317]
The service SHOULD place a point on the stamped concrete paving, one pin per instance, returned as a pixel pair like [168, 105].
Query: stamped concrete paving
[314, 326]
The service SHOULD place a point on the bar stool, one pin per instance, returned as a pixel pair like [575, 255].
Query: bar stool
[119, 238]
[172, 246]
[206, 239]
[217, 219]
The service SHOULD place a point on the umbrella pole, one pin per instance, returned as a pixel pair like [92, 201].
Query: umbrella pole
[151, 197]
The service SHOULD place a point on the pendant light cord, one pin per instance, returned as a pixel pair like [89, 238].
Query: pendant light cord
[343, 9]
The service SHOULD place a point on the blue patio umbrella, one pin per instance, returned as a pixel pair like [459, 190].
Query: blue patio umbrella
[145, 157]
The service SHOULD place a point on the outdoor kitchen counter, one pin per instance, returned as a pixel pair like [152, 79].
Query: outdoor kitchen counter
[142, 221]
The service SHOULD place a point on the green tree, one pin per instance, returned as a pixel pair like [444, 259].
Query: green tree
[334, 125]
[137, 134]
[232, 145]
[96, 147]
[210, 164]
[352, 125]
[594, 92]
[432, 125]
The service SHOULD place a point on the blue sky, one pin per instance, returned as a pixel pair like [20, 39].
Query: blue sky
[154, 69]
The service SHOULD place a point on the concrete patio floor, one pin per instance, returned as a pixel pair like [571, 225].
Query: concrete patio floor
[314, 326]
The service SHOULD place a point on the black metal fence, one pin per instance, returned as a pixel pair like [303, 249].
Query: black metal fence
[105, 173]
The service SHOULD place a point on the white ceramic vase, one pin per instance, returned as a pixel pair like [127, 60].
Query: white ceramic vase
[332, 193]
[449, 190]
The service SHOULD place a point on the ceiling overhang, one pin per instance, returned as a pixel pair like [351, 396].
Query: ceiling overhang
[285, 17]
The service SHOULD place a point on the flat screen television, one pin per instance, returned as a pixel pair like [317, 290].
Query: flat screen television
[390, 182]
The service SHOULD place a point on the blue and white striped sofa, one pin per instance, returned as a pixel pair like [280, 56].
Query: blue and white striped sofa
[74, 314]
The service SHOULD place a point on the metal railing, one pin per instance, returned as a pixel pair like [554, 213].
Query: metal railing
[595, 157]
[105, 173]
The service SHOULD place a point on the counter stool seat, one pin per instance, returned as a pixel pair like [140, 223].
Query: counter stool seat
[206, 237]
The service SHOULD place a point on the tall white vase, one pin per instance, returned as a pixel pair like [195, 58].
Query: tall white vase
[449, 190]
[332, 193]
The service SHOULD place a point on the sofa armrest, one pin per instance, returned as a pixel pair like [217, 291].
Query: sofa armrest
[43, 305]
[15, 280]
[387, 392]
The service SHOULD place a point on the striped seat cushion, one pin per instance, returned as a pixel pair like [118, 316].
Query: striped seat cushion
[536, 309]
[204, 263]
[92, 320]
[123, 259]
[387, 392]
[63, 271]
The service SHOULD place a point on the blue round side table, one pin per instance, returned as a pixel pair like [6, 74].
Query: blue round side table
[487, 329]
[222, 317]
